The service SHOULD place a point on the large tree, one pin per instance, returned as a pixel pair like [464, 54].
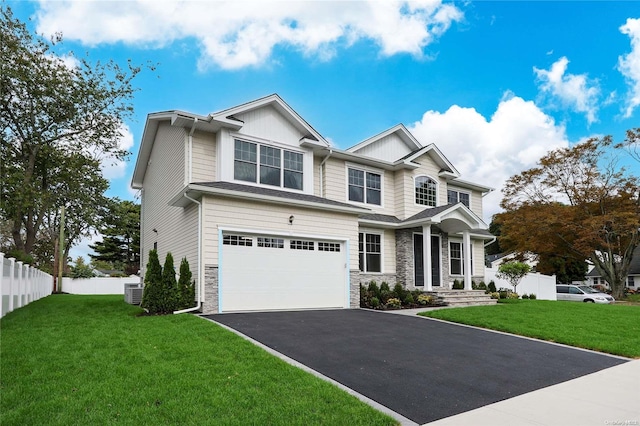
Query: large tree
[59, 118]
[576, 203]
[120, 245]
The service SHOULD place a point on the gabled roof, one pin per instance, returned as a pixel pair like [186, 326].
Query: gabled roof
[399, 130]
[229, 115]
[634, 268]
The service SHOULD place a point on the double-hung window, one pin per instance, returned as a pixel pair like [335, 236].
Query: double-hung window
[365, 187]
[454, 197]
[456, 258]
[275, 166]
[370, 252]
[425, 191]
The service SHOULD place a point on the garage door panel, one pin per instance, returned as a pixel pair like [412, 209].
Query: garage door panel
[267, 278]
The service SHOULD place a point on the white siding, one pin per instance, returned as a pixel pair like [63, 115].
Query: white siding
[203, 157]
[176, 227]
[475, 198]
[248, 215]
[427, 168]
[268, 124]
[388, 148]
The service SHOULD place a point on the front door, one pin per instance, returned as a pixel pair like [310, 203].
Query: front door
[418, 260]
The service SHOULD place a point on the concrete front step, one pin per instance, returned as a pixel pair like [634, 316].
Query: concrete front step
[463, 297]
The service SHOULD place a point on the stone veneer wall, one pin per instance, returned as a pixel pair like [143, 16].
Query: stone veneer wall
[354, 290]
[404, 256]
[210, 305]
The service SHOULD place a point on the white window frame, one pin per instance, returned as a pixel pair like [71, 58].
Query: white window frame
[364, 252]
[259, 146]
[365, 170]
[461, 274]
[437, 194]
[458, 192]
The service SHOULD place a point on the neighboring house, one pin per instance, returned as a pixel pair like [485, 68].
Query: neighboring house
[495, 260]
[633, 280]
[271, 216]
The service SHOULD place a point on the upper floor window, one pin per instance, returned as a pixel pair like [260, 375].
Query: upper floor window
[365, 187]
[454, 197]
[277, 167]
[425, 191]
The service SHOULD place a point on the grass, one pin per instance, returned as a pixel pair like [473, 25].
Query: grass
[91, 360]
[613, 329]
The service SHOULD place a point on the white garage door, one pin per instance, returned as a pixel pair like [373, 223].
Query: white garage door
[262, 272]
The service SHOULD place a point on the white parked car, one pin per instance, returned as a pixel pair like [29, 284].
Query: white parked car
[581, 293]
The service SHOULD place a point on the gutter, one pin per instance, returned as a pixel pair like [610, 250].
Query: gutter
[200, 266]
[190, 151]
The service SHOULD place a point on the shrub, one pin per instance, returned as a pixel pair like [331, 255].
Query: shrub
[512, 295]
[399, 292]
[170, 294]
[492, 287]
[525, 296]
[151, 296]
[186, 287]
[495, 295]
[425, 299]
[384, 286]
[374, 290]
[532, 296]
[394, 303]
[374, 302]
[458, 285]
[408, 299]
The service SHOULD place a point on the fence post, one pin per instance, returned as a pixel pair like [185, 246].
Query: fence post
[1, 284]
[27, 272]
[12, 263]
[19, 268]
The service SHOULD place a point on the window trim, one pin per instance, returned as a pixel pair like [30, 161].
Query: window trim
[364, 234]
[458, 192]
[461, 274]
[259, 145]
[366, 170]
[437, 195]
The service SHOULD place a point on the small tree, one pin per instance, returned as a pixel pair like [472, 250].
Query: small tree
[185, 285]
[81, 269]
[513, 272]
[169, 286]
[152, 297]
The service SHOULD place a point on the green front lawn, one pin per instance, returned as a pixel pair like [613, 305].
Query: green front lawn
[614, 329]
[91, 360]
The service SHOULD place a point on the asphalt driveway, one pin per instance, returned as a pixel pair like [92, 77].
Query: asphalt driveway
[423, 369]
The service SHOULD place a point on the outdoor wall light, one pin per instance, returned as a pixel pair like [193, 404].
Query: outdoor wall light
[155, 230]
[291, 220]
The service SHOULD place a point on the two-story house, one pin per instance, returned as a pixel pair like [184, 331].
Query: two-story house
[271, 216]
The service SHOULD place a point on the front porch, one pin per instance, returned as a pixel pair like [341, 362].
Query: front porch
[463, 297]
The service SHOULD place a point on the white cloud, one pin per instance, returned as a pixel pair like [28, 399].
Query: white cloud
[488, 152]
[574, 91]
[113, 168]
[629, 65]
[237, 34]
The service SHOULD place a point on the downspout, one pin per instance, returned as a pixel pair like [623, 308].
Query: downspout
[200, 272]
[321, 172]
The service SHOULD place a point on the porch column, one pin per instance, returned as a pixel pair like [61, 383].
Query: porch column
[466, 250]
[426, 256]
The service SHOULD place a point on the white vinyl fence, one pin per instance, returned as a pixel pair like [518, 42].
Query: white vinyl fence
[543, 286]
[21, 284]
[97, 285]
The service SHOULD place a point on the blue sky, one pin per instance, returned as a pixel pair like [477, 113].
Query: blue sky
[494, 84]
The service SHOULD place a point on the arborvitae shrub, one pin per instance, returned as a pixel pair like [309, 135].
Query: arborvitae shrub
[185, 285]
[170, 294]
[152, 297]
[492, 287]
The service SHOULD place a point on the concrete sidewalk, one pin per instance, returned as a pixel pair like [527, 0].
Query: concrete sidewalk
[607, 397]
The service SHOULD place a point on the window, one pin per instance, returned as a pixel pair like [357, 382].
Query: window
[425, 191]
[270, 242]
[277, 167]
[237, 240]
[301, 245]
[365, 187]
[630, 281]
[454, 197]
[370, 251]
[456, 256]
[328, 246]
